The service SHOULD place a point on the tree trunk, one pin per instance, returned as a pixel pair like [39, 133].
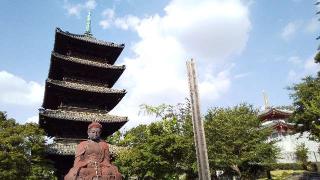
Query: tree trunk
[236, 168]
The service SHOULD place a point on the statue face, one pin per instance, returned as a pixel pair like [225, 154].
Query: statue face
[94, 133]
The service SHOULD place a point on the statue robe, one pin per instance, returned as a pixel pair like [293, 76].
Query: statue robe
[89, 166]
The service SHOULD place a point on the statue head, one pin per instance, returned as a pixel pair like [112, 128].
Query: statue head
[94, 131]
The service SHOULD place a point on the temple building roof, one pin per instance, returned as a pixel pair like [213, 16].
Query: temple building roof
[274, 113]
[277, 123]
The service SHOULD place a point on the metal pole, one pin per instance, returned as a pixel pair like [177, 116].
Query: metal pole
[198, 130]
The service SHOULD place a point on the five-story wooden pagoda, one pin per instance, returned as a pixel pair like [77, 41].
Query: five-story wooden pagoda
[78, 91]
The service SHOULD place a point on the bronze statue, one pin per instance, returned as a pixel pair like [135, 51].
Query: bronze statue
[92, 159]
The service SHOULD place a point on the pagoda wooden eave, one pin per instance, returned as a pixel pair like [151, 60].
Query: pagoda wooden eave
[273, 113]
[283, 125]
[82, 116]
[107, 52]
[68, 124]
[81, 69]
[59, 93]
[87, 62]
[68, 149]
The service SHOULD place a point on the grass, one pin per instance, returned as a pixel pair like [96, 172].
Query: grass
[283, 174]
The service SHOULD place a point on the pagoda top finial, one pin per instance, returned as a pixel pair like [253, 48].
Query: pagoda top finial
[88, 25]
[266, 100]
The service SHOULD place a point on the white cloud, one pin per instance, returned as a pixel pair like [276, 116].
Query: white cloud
[108, 15]
[289, 30]
[15, 90]
[33, 119]
[76, 9]
[204, 30]
[293, 76]
[308, 68]
[294, 60]
[90, 4]
[241, 75]
[123, 23]
[127, 22]
[312, 26]
[299, 26]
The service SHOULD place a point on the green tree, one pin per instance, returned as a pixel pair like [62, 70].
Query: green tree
[236, 140]
[306, 100]
[22, 151]
[161, 150]
[302, 154]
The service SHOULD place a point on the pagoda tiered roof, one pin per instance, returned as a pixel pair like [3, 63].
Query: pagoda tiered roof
[68, 67]
[274, 113]
[85, 61]
[68, 148]
[84, 87]
[74, 93]
[80, 45]
[278, 123]
[82, 116]
[74, 124]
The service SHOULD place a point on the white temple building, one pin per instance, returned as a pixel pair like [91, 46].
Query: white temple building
[287, 138]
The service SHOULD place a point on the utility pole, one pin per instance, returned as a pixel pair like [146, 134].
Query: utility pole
[198, 130]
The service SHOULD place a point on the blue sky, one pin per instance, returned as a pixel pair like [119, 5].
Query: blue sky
[241, 48]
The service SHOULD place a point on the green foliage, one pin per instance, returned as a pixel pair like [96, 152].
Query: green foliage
[285, 174]
[306, 100]
[301, 153]
[306, 97]
[286, 166]
[22, 151]
[115, 138]
[161, 150]
[235, 139]
[165, 149]
[317, 58]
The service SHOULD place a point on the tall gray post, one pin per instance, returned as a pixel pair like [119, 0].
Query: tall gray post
[198, 130]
